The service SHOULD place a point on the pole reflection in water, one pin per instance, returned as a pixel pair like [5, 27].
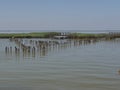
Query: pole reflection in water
[80, 63]
[42, 47]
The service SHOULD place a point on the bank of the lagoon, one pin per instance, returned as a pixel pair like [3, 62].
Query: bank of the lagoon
[29, 35]
[53, 34]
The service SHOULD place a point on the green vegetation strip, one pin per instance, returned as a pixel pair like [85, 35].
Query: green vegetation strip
[29, 35]
[50, 35]
[86, 35]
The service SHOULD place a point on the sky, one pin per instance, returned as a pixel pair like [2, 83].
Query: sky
[59, 14]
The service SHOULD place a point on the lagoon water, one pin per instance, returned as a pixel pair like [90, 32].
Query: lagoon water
[71, 66]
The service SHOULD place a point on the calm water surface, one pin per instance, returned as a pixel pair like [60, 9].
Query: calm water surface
[70, 66]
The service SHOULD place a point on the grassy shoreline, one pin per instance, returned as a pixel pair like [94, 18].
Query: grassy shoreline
[52, 34]
[86, 35]
[29, 35]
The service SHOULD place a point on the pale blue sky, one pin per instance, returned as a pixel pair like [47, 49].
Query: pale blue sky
[59, 14]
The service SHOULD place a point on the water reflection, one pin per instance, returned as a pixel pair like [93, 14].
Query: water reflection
[42, 47]
[73, 64]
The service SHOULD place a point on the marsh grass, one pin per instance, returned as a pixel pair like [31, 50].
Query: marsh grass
[52, 34]
[86, 35]
[29, 35]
